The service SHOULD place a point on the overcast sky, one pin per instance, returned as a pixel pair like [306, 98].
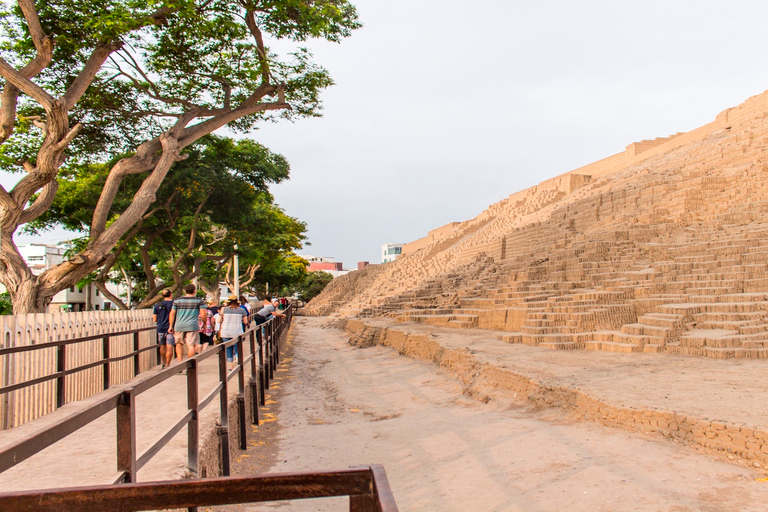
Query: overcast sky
[442, 108]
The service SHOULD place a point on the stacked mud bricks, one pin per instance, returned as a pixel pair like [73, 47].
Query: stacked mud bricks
[662, 248]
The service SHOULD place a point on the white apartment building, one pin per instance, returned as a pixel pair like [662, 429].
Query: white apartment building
[390, 252]
[40, 257]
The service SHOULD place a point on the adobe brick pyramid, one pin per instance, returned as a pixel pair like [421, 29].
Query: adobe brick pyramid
[662, 248]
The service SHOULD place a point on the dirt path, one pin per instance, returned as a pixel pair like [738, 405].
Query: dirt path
[340, 406]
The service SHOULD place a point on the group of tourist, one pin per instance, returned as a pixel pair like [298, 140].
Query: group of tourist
[191, 321]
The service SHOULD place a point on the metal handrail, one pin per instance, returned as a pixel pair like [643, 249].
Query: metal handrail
[367, 487]
[61, 357]
[266, 336]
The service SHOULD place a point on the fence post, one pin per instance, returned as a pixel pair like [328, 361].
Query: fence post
[61, 365]
[275, 340]
[241, 392]
[126, 436]
[136, 353]
[271, 349]
[278, 335]
[193, 425]
[223, 430]
[252, 382]
[262, 380]
[158, 359]
[105, 355]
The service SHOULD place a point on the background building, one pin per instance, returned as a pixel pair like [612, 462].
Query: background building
[330, 265]
[390, 252]
[40, 257]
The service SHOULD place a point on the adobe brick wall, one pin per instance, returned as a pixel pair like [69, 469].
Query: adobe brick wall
[658, 249]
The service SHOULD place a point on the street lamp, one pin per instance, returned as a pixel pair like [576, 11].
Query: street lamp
[237, 273]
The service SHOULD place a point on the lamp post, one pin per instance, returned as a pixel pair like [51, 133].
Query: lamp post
[237, 273]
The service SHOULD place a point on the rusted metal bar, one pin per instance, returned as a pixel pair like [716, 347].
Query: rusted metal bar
[262, 374]
[271, 348]
[168, 373]
[210, 398]
[254, 385]
[382, 490]
[191, 493]
[252, 382]
[158, 445]
[136, 353]
[240, 400]
[252, 345]
[126, 435]
[241, 369]
[223, 430]
[61, 366]
[45, 378]
[105, 357]
[49, 344]
[33, 443]
[193, 427]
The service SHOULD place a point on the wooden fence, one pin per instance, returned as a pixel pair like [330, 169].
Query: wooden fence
[22, 405]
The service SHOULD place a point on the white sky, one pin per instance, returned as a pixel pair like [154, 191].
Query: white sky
[442, 108]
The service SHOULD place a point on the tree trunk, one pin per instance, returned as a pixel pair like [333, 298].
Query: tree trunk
[212, 290]
[25, 298]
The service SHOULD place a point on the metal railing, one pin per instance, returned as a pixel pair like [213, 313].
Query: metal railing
[264, 343]
[61, 361]
[367, 487]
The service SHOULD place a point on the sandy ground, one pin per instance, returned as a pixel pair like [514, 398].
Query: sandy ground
[334, 406]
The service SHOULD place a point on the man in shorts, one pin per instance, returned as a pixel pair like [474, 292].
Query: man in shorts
[184, 324]
[160, 315]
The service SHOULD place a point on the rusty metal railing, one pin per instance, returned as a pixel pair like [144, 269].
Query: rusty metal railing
[61, 373]
[367, 487]
[264, 343]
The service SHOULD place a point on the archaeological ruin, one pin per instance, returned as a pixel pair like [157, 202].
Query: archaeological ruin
[661, 249]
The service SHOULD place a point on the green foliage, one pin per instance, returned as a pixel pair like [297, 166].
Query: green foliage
[172, 57]
[6, 307]
[313, 284]
[134, 83]
[216, 198]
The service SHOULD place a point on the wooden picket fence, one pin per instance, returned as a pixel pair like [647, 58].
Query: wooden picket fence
[23, 405]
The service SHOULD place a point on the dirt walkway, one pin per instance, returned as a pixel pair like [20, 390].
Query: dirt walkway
[341, 406]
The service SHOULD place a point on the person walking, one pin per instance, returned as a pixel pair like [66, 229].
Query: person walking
[207, 327]
[160, 315]
[233, 320]
[184, 323]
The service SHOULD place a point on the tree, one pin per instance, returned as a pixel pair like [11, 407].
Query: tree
[313, 284]
[129, 85]
[210, 203]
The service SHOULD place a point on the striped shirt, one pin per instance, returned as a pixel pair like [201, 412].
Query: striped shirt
[187, 311]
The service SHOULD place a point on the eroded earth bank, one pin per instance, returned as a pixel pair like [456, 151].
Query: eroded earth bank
[451, 439]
